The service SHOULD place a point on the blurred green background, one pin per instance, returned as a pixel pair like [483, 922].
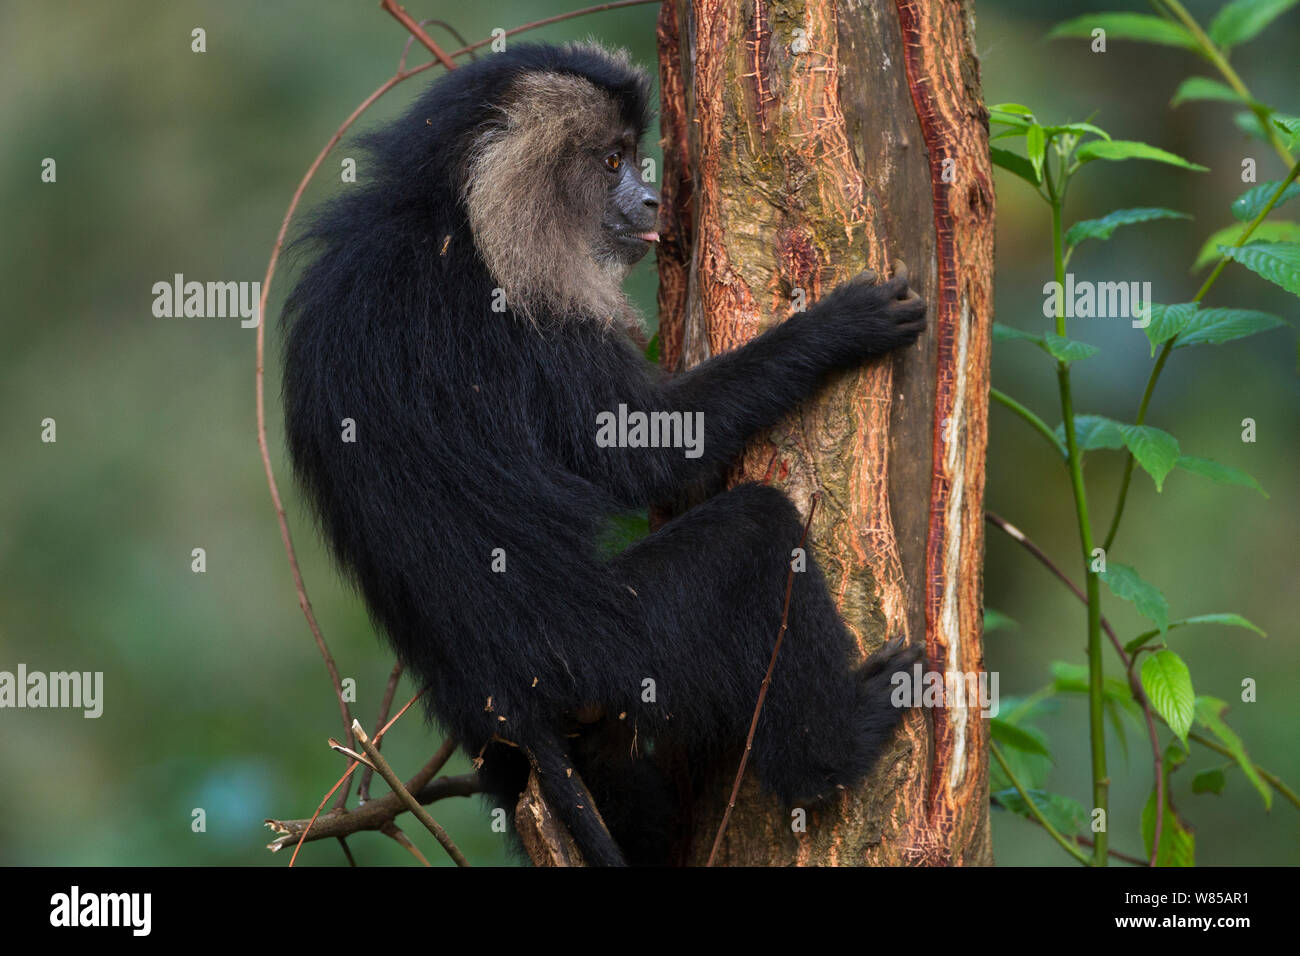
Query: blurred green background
[171, 161]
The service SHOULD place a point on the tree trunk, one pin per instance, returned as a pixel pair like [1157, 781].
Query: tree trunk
[805, 140]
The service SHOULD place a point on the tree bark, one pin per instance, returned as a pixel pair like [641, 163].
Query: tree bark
[805, 140]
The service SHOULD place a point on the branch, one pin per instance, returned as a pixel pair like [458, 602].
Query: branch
[374, 815]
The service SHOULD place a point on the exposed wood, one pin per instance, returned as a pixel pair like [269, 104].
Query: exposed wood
[805, 141]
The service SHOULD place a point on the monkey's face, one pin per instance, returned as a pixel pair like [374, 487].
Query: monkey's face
[555, 198]
[631, 208]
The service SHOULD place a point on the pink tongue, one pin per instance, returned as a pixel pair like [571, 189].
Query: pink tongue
[648, 236]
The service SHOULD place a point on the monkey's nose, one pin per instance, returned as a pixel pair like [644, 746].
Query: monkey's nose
[652, 201]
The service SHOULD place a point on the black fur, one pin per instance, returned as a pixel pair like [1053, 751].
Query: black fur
[477, 431]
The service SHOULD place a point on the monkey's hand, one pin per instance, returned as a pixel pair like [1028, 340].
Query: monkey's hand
[864, 317]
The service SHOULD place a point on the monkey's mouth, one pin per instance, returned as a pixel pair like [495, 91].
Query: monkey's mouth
[638, 237]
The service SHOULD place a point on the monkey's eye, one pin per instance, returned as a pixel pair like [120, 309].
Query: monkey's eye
[614, 160]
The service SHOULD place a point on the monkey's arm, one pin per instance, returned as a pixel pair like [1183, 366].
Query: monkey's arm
[742, 392]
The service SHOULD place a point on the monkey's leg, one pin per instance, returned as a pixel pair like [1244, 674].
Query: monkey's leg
[711, 585]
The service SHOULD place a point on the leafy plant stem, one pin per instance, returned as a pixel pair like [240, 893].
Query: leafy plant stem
[1273, 779]
[1212, 53]
[1069, 847]
[1096, 714]
[1169, 346]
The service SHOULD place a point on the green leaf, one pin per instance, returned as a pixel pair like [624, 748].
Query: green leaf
[1168, 321]
[1204, 88]
[1168, 685]
[1121, 149]
[1103, 228]
[1093, 432]
[1126, 26]
[1067, 350]
[1155, 450]
[1243, 20]
[1278, 262]
[1036, 148]
[1006, 333]
[1015, 163]
[1126, 583]
[1031, 769]
[1216, 326]
[1060, 348]
[1270, 230]
[1209, 714]
[1249, 123]
[1070, 678]
[1076, 129]
[1222, 474]
[1064, 813]
[1289, 125]
[1231, 620]
[652, 348]
[1017, 738]
[1009, 131]
[1250, 203]
[1210, 781]
[1018, 109]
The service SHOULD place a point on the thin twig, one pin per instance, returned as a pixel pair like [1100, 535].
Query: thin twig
[762, 692]
[399, 13]
[412, 804]
[363, 789]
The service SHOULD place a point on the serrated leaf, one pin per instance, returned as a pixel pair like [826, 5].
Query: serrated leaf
[1125, 583]
[1243, 20]
[1209, 714]
[1064, 813]
[1203, 88]
[1252, 202]
[1168, 686]
[1177, 843]
[1015, 163]
[1093, 432]
[1067, 350]
[1036, 148]
[997, 621]
[1155, 450]
[1017, 738]
[1216, 326]
[1167, 321]
[1103, 228]
[1210, 781]
[1126, 26]
[1270, 230]
[1121, 149]
[1278, 262]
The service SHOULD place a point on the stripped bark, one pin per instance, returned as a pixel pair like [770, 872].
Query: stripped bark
[805, 140]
